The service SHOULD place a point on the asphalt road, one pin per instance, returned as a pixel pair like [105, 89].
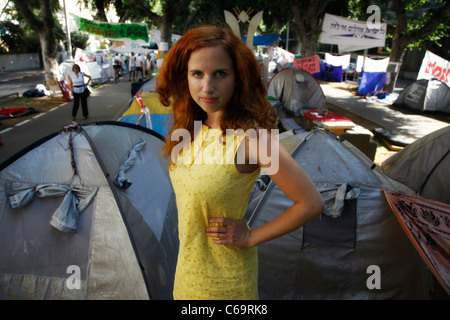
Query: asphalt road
[20, 81]
[107, 102]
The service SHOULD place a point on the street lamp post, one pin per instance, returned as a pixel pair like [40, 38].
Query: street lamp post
[69, 45]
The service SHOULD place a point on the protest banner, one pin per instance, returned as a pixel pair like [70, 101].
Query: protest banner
[434, 67]
[308, 64]
[352, 35]
[114, 31]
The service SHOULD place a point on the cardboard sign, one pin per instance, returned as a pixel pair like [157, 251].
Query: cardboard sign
[308, 64]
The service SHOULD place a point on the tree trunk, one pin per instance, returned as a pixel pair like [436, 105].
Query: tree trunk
[308, 24]
[165, 27]
[403, 37]
[48, 49]
[44, 26]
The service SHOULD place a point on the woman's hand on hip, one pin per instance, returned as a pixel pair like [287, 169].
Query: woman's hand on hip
[229, 232]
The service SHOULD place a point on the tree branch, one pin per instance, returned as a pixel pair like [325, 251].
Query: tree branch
[436, 19]
[25, 10]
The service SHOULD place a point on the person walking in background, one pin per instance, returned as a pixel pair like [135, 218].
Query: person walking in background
[139, 66]
[210, 76]
[132, 64]
[148, 66]
[117, 65]
[153, 58]
[79, 91]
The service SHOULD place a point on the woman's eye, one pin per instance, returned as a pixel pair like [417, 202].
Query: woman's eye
[221, 74]
[197, 74]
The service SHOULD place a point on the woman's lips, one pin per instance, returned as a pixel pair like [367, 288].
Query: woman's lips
[208, 100]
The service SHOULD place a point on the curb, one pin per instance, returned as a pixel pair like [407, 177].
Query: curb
[23, 77]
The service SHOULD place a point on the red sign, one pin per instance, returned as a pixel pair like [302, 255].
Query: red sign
[308, 64]
[65, 90]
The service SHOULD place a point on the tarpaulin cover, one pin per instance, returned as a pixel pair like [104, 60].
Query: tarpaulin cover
[329, 73]
[426, 222]
[371, 81]
[265, 40]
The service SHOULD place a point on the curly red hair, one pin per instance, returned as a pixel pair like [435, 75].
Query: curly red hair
[248, 107]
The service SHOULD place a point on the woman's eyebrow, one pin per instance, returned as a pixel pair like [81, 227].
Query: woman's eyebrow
[216, 70]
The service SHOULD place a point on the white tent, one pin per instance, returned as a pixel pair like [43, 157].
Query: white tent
[98, 74]
[298, 90]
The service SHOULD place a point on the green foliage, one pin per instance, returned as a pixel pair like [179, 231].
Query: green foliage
[17, 39]
[418, 13]
[79, 39]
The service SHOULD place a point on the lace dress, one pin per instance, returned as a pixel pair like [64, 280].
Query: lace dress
[207, 184]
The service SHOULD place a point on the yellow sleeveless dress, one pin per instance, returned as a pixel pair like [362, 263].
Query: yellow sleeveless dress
[207, 184]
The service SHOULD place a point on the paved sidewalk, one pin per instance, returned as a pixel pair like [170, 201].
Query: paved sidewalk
[409, 124]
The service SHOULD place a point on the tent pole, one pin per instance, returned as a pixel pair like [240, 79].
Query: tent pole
[287, 37]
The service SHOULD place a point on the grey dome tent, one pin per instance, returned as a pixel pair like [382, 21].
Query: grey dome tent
[425, 96]
[88, 213]
[298, 90]
[424, 166]
[332, 256]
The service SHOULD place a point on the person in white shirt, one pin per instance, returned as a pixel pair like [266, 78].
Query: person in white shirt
[139, 65]
[79, 91]
[153, 58]
[117, 65]
[132, 61]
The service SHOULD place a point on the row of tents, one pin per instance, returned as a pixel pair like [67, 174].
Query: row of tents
[97, 199]
[89, 213]
[299, 91]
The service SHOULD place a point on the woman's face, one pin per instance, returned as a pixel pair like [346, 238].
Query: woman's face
[211, 80]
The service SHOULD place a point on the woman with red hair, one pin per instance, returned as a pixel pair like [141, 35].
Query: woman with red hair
[220, 110]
